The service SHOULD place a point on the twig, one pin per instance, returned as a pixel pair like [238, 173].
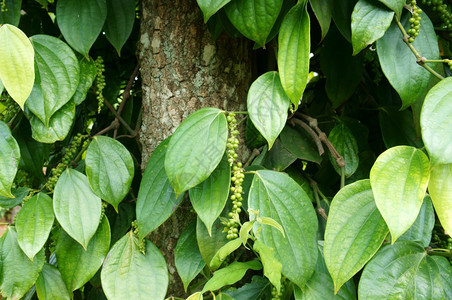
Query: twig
[124, 123]
[253, 155]
[113, 125]
[311, 132]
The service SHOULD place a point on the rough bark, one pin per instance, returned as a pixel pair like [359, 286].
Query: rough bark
[183, 70]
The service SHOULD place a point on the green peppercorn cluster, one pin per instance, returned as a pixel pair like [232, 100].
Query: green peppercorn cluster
[11, 109]
[443, 11]
[100, 82]
[4, 8]
[142, 243]
[66, 160]
[23, 178]
[232, 225]
[415, 22]
[275, 294]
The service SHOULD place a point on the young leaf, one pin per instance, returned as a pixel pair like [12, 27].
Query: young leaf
[81, 21]
[277, 196]
[267, 106]
[421, 230]
[294, 43]
[77, 208]
[109, 167]
[187, 258]
[436, 122]
[17, 272]
[77, 265]
[12, 13]
[398, 63]
[370, 20]
[440, 189]
[129, 274]
[230, 274]
[210, 244]
[57, 77]
[254, 18]
[345, 143]
[50, 285]
[209, 197]
[210, 7]
[17, 60]
[322, 11]
[395, 5]
[399, 179]
[196, 148]
[272, 267]
[405, 271]
[33, 224]
[156, 198]
[223, 253]
[9, 160]
[196, 296]
[354, 232]
[119, 22]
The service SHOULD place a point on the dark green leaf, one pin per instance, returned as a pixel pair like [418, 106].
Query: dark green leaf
[210, 7]
[322, 11]
[196, 148]
[187, 258]
[33, 224]
[230, 274]
[50, 285]
[57, 77]
[209, 197]
[370, 20]
[342, 13]
[397, 128]
[440, 189]
[156, 198]
[254, 18]
[12, 13]
[19, 194]
[399, 179]
[77, 208]
[395, 5]
[210, 244]
[278, 158]
[354, 231]
[109, 167]
[9, 160]
[129, 274]
[300, 144]
[88, 72]
[257, 289]
[81, 21]
[119, 23]
[78, 265]
[345, 143]
[277, 196]
[421, 230]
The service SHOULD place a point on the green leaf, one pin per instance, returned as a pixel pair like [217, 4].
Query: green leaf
[294, 44]
[277, 196]
[33, 224]
[210, 7]
[12, 14]
[395, 5]
[399, 179]
[270, 222]
[59, 125]
[224, 252]
[209, 197]
[196, 148]
[342, 70]
[77, 265]
[9, 160]
[17, 272]
[109, 167]
[257, 289]
[354, 231]
[88, 72]
[50, 285]
[421, 230]
[210, 244]
[398, 63]
[300, 144]
[278, 158]
[440, 189]
[244, 231]
[129, 274]
[370, 20]
[272, 267]
[17, 60]
[254, 18]
[77, 208]
[397, 127]
[19, 194]
[57, 77]
[322, 11]
[187, 258]
[436, 122]
[345, 143]
[196, 296]
[404, 271]
[156, 198]
[230, 274]
[2, 87]
[81, 21]
[341, 13]
[267, 106]
[119, 23]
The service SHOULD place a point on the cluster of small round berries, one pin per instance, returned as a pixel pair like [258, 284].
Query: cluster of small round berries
[4, 8]
[443, 10]
[11, 110]
[23, 178]
[275, 294]
[67, 158]
[142, 243]
[415, 22]
[233, 141]
[100, 82]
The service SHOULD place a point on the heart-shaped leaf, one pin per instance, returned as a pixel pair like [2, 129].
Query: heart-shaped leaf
[50, 285]
[119, 23]
[210, 7]
[440, 189]
[9, 160]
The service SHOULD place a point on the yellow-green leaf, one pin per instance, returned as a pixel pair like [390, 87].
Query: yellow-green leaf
[440, 189]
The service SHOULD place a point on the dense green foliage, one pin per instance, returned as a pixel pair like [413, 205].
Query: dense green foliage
[347, 193]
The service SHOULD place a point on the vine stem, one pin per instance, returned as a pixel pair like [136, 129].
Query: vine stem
[4, 224]
[420, 59]
[342, 177]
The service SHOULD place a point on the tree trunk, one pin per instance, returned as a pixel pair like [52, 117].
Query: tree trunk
[183, 70]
